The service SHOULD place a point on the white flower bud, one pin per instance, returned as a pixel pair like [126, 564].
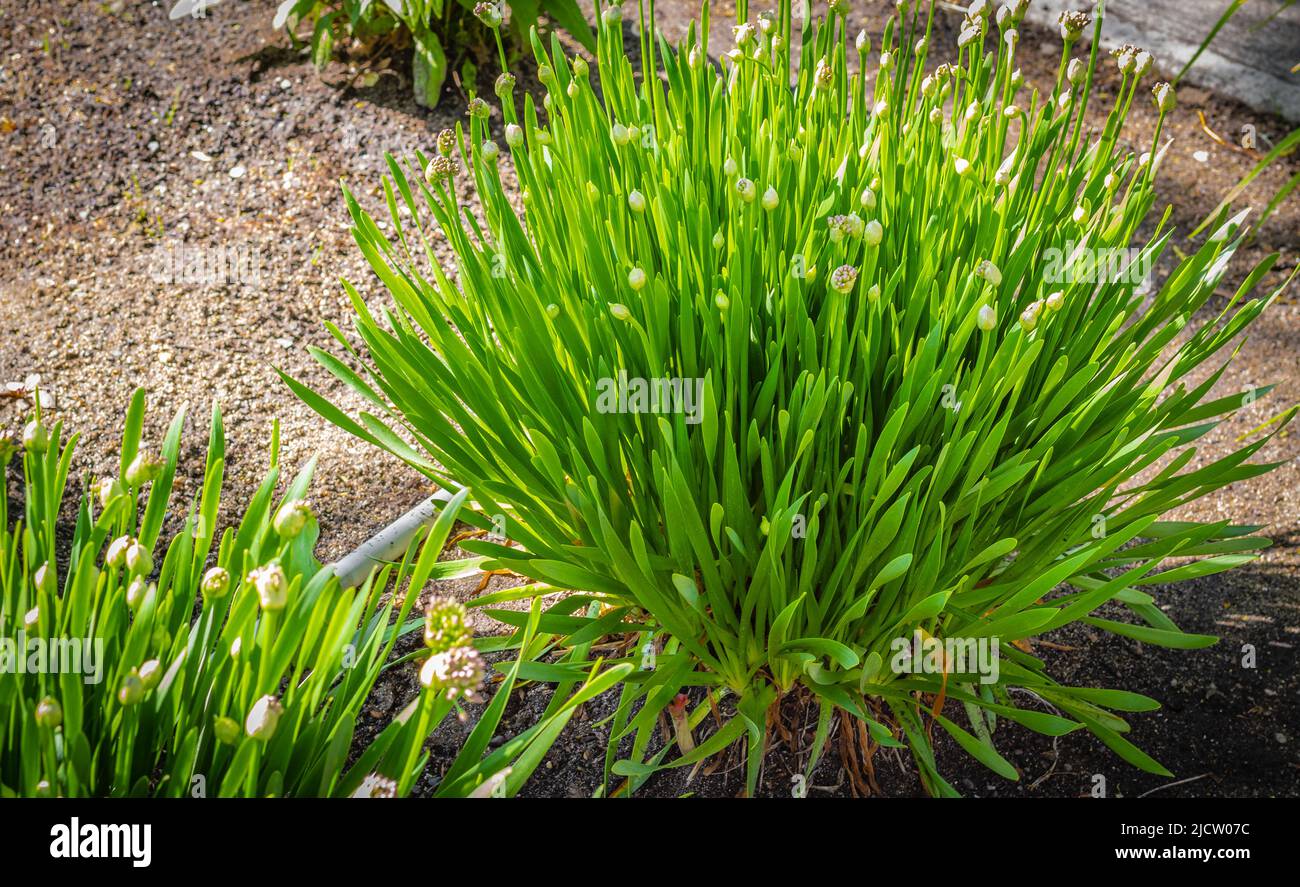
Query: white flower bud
[106, 489]
[1076, 71]
[151, 673]
[729, 167]
[770, 199]
[961, 165]
[135, 592]
[35, 438]
[272, 586]
[1029, 317]
[1164, 96]
[263, 718]
[620, 311]
[514, 135]
[987, 319]
[138, 560]
[636, 201]
[873, 232]
[116, 554]
[636, 279]
[1054, 301]
[746, 189]
[490, 151]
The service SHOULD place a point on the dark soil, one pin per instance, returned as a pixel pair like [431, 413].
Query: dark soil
[124, 135]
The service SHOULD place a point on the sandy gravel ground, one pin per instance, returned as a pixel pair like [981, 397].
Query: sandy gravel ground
[127, 140]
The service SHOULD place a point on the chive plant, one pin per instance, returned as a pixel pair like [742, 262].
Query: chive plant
[230, 666]
[914, 421]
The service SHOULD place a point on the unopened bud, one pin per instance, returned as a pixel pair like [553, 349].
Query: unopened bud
[291, 518]
[263, 718]
[35, 438]
[49, 714]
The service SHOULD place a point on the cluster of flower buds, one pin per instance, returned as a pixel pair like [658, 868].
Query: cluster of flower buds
[823, 75]
[1132, 60]
[850, 226]
[293, 515]
[272, 586]
[215, 584]
[1072, 24]
[489, 14]
[843, 278]
[988, 272]
[440, 169]
[446, 625]
[376, 786]
[478, 109]
[106, 489]
[143, 469]
[454, 673]
[505, 85]
[129, 552]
